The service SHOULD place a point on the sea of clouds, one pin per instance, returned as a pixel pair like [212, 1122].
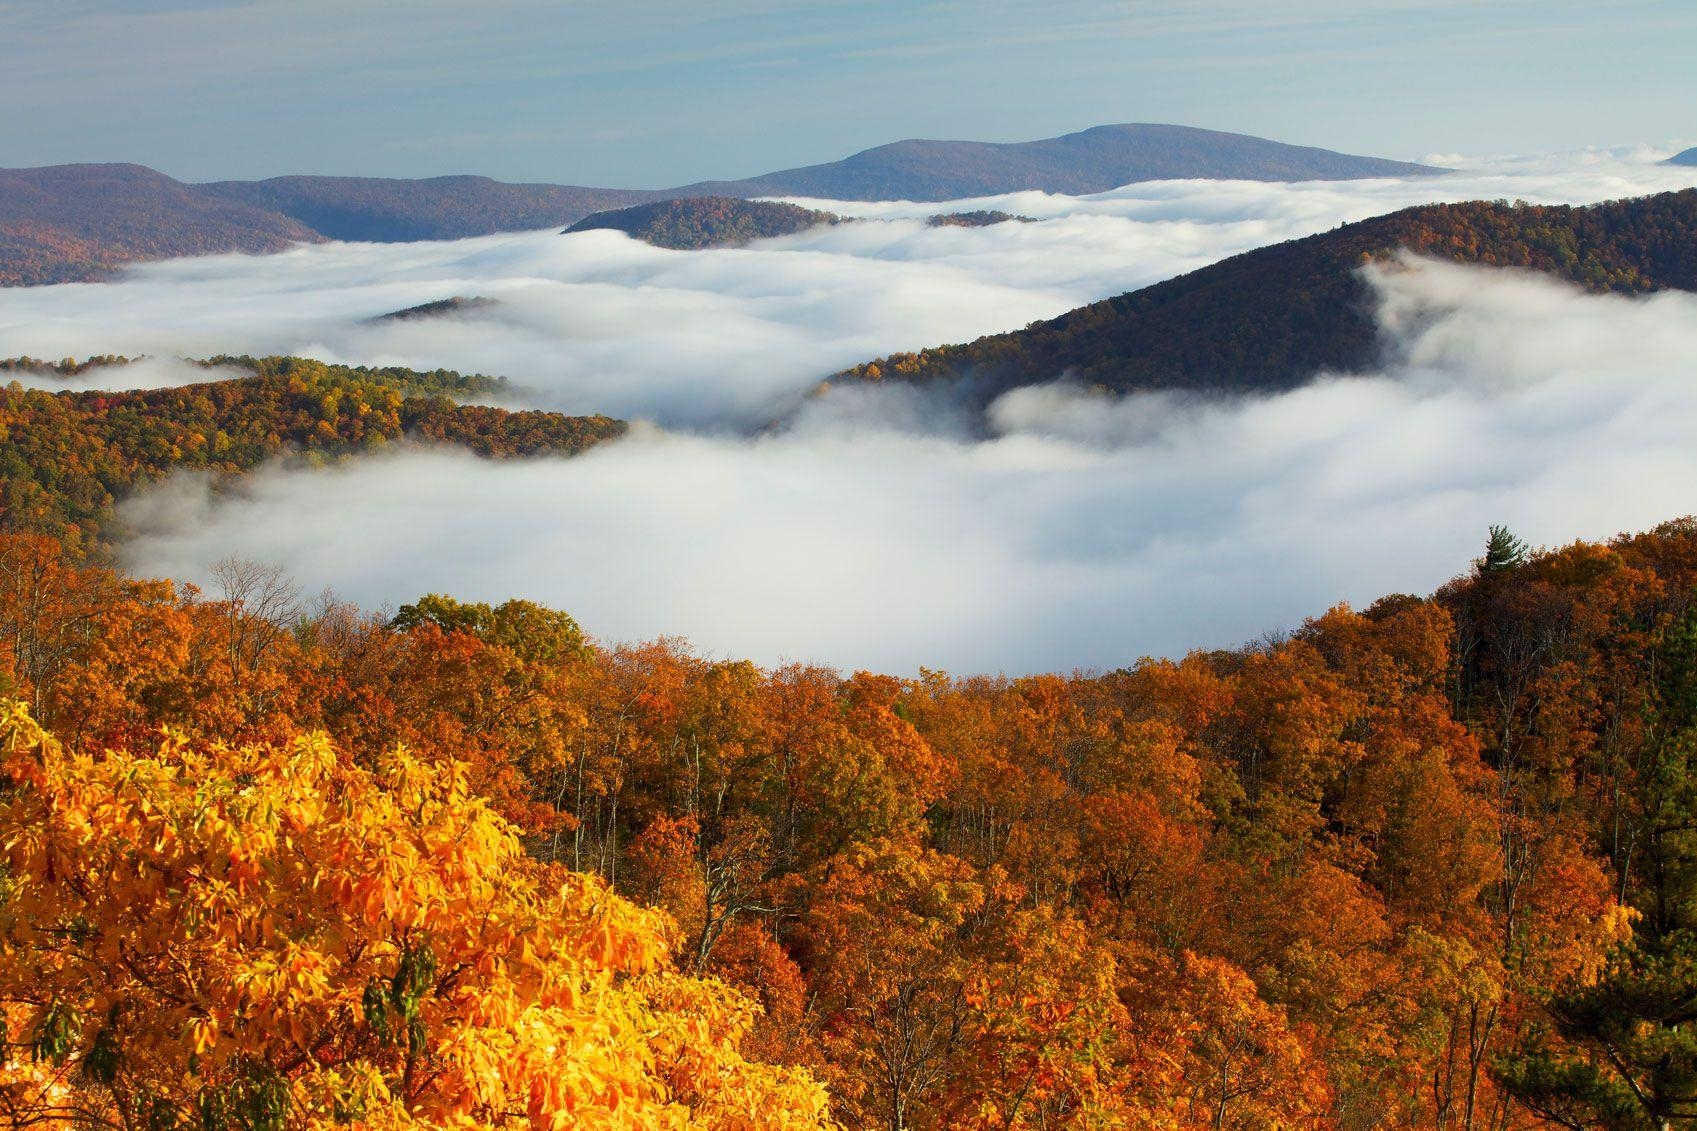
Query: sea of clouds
[875, 530]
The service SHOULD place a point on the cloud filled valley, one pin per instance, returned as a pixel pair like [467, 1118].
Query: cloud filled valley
[876, 529]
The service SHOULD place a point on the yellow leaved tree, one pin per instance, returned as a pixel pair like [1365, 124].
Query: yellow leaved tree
[270, 937]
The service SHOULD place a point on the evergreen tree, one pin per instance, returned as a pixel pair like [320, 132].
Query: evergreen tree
[1503, 552]
[1622, 1053]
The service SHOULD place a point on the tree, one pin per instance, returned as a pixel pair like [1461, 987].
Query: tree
[1503, 552]
[265, 937]
[1621, 1049]
[888, 932]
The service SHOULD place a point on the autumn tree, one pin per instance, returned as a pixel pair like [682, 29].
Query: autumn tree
[266, 937]
[1622, 1046]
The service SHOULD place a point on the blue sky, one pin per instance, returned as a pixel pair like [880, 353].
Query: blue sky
[648, 93]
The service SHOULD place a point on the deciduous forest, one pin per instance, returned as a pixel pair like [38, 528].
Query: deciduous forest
[276, 862]
[66, 457]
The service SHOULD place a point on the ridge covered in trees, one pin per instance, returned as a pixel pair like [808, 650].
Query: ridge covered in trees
[981, 218]
[440, 308]
[77, 223]
[706, 221]
[73, 223]
[67, 458]
[1428, 864]
[1271, 318]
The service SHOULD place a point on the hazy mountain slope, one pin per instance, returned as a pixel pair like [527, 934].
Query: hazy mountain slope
[66, 223]
[439, 208]
[1688, 157]
[1273, 317]
[706, 221]
[1093, 160]
[74, 222]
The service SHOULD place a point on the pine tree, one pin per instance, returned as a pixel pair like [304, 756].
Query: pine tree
[1622, 1053]
[1503, 552]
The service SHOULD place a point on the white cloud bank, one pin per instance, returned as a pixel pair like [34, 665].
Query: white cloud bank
[875, 532]
[1086, 533]
[596, 322]
[142, 373]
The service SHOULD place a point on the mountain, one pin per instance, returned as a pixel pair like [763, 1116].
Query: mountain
[1094, 160]
[1688, 157]
[73, 223]
[706, 221]
[382, 210]
[1273, 317]
[68, 458]
[67, 223]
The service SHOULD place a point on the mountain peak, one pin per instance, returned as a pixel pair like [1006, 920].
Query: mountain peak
[1091, 160]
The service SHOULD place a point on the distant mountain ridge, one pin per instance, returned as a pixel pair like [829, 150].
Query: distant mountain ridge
[1274, 317]
[1090, 161]
[69, 223]
[1688, 157]
[381, 210]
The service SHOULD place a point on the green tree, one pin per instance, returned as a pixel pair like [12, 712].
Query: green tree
[1621, 1053]
[1503, 552]
[533, 633]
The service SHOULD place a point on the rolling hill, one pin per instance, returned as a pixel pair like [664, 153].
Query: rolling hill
[67, 223]
[706, 221]
[382, 210]
[72, 223]
[1092, 160]
[1273, 317]
[70, 457]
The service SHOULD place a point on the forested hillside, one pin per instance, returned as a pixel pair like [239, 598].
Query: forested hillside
[75, 223]
[1273, 317]
[707, 221]
[1428, 864]
[70, 223]
[980, 218]
[68, 457]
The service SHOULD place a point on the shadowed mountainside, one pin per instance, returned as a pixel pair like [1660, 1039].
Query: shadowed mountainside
[1688, 157]
[1273, 317]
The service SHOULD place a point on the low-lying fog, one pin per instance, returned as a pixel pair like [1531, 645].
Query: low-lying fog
[877, 533]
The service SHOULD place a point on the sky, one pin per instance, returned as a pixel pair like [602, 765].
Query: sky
[651, 93]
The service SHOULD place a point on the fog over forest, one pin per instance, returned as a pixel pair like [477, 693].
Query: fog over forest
[874, 527]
